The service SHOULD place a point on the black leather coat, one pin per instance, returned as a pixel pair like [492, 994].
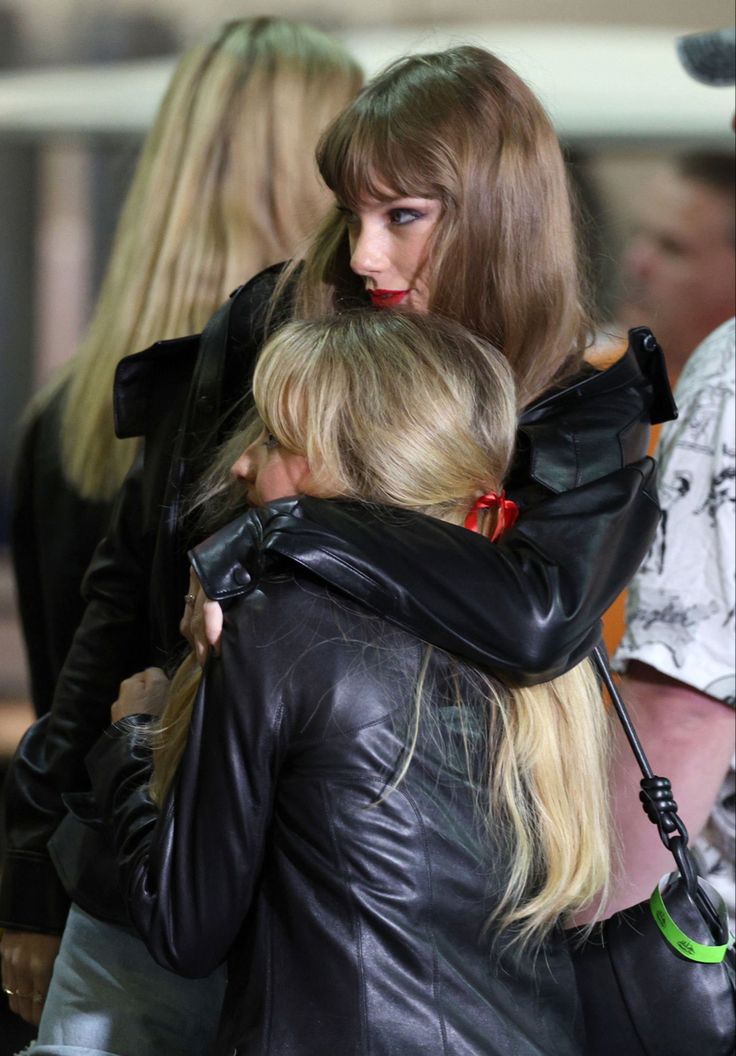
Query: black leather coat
[353, 919]
[528, 607]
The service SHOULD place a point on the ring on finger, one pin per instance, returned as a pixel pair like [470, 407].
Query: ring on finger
[189, 599]
[37, 998]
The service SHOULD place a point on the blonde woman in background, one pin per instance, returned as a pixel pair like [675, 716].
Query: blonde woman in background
[226, 185]
[380, 837]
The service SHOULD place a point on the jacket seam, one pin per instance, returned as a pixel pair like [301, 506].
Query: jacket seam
[355, 920]
[268, 1033]
[436, 984]
[575, 441]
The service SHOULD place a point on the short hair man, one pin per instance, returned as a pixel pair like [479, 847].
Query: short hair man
[680, 268]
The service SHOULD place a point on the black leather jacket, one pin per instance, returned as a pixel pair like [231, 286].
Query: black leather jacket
[352, 919]
[568, 559]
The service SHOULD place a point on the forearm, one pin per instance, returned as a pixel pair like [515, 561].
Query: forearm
[527, 608]
[689, 738]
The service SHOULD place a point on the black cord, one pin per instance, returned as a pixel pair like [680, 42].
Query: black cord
[656, 792]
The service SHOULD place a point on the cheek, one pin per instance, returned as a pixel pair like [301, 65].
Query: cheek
[281, 476]
[421, 254]
[272, 482]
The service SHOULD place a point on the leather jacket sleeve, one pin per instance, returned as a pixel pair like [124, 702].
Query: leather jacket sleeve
[188, 873]
[111, 643]
[528, 607]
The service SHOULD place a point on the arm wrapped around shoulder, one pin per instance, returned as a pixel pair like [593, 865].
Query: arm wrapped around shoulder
[527, 607]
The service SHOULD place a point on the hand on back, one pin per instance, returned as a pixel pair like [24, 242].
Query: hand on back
[201, 623]
[141, 694]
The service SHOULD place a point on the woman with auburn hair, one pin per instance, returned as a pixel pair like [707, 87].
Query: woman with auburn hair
[457, 146]
[226, 184]
[388, 837]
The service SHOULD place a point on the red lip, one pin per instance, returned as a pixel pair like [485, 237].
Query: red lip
[387, 298]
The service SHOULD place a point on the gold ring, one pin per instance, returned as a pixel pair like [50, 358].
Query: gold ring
[189, 599]
[23, 997]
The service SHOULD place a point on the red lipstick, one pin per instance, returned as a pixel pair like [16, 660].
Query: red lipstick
[387, 298]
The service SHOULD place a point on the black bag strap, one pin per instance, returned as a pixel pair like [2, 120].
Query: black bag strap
[656, 792]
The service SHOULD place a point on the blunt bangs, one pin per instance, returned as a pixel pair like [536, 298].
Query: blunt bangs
[384, 145]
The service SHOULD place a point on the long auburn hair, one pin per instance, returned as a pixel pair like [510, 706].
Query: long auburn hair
[461, 127]
[417, 413]
[226, 185]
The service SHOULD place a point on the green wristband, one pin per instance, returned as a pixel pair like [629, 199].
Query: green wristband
[694, 951]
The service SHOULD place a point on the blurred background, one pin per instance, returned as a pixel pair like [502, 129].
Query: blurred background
[79, 82]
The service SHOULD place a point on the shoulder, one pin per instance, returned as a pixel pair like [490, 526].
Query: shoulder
[706, 398]
[711, 364]
[168, 367]
[39, 443]
[331, 660]
[597, 424]
[141, 379]
[292, 605]
[252, 308]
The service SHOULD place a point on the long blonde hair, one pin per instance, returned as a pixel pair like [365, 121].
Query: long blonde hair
[461, 127]
[418, 413]
[226, 184]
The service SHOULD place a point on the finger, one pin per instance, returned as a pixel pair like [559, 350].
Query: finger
[155, 676]
[186, 620]
[42, 972]
[201, 645]
[26, 1008]
[39, 1000]
[20, 1000]
[212, 614]
[185, 625]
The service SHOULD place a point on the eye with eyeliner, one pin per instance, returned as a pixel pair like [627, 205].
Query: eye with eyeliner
[402, 215]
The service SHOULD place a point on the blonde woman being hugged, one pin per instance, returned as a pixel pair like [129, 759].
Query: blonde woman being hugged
[226, 185]
[381, 838]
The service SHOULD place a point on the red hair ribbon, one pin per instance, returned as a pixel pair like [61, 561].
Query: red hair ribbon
[508, 511]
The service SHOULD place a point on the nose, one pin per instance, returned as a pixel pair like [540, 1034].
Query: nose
[367, 255]
[244, 467]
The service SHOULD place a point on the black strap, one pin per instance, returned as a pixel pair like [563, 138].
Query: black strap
[656, 792]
